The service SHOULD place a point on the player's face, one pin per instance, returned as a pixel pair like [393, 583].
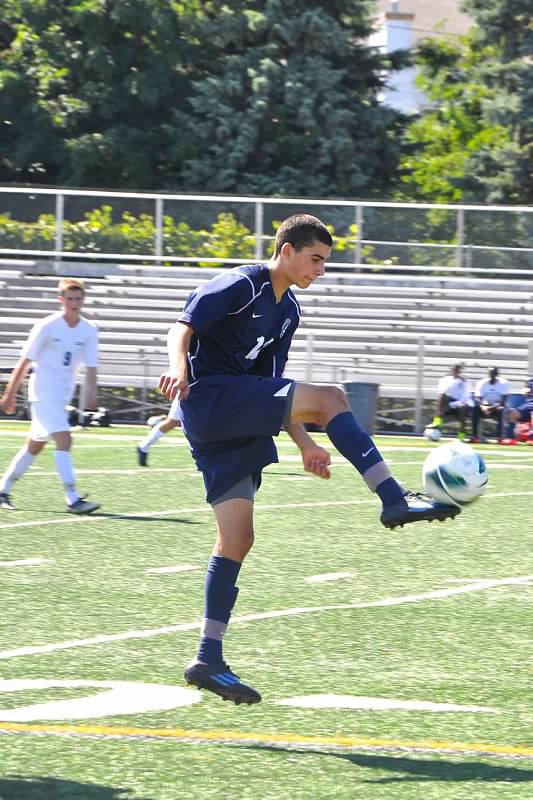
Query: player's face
[307, 264]
[72, 301]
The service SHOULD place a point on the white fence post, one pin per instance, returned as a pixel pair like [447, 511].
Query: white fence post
[359, 234]
[158, 236]
[460, 236]
[258, 230]
[58, 243]
[309, 362]
[419, 399]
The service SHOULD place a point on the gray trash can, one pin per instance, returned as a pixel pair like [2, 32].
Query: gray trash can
[363, 399]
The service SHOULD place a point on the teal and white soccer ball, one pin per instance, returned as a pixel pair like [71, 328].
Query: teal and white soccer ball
[454, 474]
[432, 433]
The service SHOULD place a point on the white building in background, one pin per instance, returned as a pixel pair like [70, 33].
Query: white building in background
[399, 26]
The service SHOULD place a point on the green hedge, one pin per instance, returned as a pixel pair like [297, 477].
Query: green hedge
[97, 232]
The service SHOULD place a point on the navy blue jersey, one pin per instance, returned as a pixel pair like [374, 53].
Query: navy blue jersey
[238, 327]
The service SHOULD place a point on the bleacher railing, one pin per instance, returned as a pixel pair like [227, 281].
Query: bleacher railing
[474, 238]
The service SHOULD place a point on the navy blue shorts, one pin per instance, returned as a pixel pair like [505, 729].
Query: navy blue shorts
[229, 421]
[526, 412]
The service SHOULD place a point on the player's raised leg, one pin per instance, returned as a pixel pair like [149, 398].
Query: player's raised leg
[328, 406]
[235, 536]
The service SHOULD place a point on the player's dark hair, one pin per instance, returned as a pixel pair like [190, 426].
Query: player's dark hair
[301, 231]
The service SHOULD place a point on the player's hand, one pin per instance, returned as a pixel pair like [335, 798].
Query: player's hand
[317, 460]
[173, 384]
[8, 404]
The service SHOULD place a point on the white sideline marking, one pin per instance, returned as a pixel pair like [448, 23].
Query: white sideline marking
[378, 704]
[131, 471]
[329, 576]
[205, 508]
[285, 612]
[177, 568]
[25, 562]
[120, 698]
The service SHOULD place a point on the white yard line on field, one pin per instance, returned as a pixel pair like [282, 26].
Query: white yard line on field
[113, 517]
[436, 594]
[169, 570]
[25, 562]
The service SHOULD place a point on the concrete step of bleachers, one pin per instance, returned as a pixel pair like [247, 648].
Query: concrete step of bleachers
[357, 323]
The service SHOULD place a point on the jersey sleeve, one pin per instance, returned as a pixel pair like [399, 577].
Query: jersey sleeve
[225, 294]
[34, 342]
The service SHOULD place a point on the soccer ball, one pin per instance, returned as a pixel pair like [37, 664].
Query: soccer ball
[454, 474]
[433, 434]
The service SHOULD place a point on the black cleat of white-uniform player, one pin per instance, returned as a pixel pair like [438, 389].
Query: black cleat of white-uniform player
[416, 506]
[6, 502]
[219, 679]
[83, 506]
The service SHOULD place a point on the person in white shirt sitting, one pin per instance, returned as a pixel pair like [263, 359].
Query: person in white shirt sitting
[490, 397]
[454, 399]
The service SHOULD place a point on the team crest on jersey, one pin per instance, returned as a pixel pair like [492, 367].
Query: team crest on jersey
[284, 327]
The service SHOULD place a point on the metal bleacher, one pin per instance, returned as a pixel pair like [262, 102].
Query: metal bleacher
[401, 329]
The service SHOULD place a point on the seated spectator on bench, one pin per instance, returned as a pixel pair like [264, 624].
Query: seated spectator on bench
[490, 396]
[523, 414]
[454, 399]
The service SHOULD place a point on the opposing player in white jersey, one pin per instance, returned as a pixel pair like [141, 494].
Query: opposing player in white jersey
[162, 426]
[56, 347]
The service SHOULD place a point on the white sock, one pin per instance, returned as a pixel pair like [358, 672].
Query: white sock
[153, 437]
[65, 469]
[20, 463]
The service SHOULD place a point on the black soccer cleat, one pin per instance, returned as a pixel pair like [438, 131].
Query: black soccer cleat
[219, 679]
[83, 506]
[5, 502]
[416, 506]
[142, 457]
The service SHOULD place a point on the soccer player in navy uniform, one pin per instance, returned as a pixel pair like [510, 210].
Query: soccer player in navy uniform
[227, 356]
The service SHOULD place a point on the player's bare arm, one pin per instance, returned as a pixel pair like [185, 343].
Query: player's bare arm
[8, 400]
[175, 381]
[91, 386]
[315, 459]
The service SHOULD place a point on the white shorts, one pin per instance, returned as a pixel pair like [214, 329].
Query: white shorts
[46, 419]
[174, 411]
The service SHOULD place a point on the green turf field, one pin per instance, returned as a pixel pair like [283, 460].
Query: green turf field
[392, 665]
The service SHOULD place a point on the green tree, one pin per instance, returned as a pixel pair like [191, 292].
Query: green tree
[287, 101]
[474, 142]
[501, 169]
[93, 92]
[277, 96]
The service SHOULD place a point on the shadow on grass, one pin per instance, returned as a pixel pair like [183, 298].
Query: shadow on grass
[40, 788]
[106, 515]
[141, 518]
[423, 769]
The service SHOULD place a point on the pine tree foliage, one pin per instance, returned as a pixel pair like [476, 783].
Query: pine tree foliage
[288, 102]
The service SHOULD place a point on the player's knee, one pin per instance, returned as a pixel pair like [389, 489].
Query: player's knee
[334, 402]
[247, 542]
[34, 448]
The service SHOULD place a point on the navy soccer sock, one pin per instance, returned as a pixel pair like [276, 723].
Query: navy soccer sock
[357, 446]
[220, 596]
